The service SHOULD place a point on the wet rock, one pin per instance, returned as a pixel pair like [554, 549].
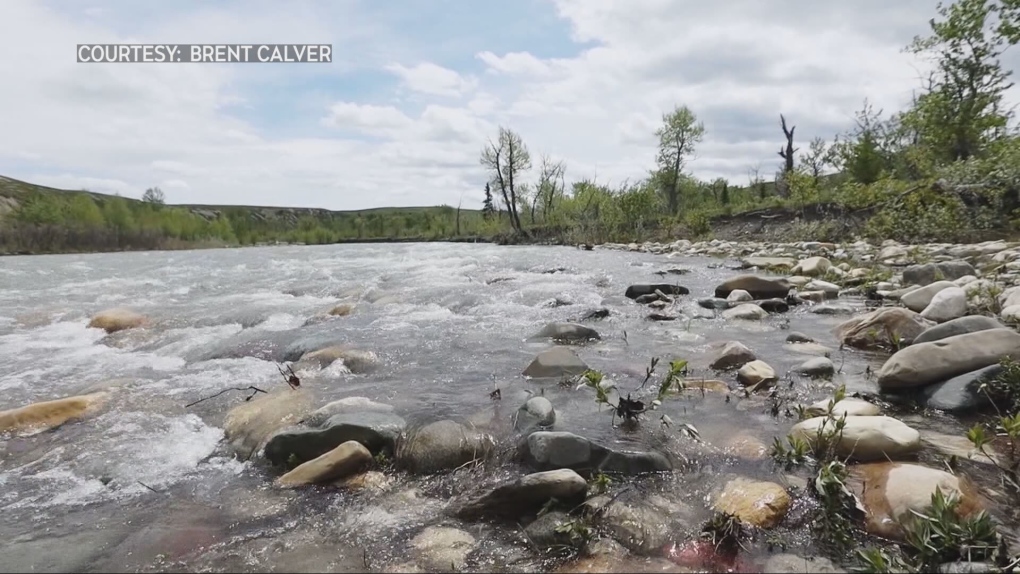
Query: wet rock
[739, 296]
[928, 363]
[596, 314]
[567, 332]
[918, 299]
[812, 267]
[319, 416]
[523, 496]
[758, 287]
[813, 296]
[46, 415]
[544, 531]
[535, 413]
[733, 355]
[962, 394]
[647, 299]
[864, 438]
[356, 360]
[662, 316]
[347, 459]
[967, 568]
[819, 367]
[442, 445]
[929, 273]
[371, 480]
[342, 310]
[831, 290]
[890, 491]
[797, 337]
[118, 319]
[760, 504]
[264, 345]
[774, 305]
[612, 563]
[746, 446]
[882, 328]
[851, 407]
[714, 303]
[793, 564]
[547, 450]
[442, 549]
[637, 526]
[833, 310]
[555, 362]
[250, 424]
[635, 291]
[377, 431]
[756, 372]
[946, 305]
[746, 311]
[960, 326]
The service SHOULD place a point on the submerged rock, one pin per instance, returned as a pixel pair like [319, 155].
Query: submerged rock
[442, 445]
[249, 425]
[47, 415]
[548, 450]
[522, 496]
[555, 362]
[442, 549]
[760, 504]
[596, 314]
[850, 407]
[819, 367]
[356, 360]
[118, 319]
[746, 311]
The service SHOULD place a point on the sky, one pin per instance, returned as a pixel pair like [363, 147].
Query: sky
[417, 87]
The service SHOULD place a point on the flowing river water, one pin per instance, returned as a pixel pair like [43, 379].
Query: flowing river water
[147, 484]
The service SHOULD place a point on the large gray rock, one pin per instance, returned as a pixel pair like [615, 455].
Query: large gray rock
[555, 362]
[928, 363]
[961, 326]
[522, 496]
[377, 431]
[918, 299]
[733, 355]
[962, 394]
[882, 327]
[548, 450]
[714, 303]
[442, 445]
[635, 291]
[929, 273]
[946, 305]
[758, 287]
[567, 332]
[535, 413]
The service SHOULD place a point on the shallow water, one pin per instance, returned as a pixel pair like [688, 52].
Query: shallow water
[147, 485]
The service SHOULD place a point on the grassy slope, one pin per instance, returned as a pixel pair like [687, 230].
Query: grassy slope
[12, 191]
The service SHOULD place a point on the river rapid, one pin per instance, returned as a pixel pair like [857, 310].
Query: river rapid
[148, 484]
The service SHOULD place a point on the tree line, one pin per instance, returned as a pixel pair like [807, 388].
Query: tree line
[947, 166]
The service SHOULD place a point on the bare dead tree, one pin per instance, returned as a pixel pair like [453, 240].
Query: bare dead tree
[551, 183]
[506, 159]
[787, 153]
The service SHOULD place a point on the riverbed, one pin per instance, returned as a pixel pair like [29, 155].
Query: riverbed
[148, 483]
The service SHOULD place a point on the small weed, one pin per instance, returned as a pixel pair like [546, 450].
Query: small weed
[599, 484]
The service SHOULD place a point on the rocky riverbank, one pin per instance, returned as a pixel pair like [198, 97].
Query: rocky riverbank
[938, 321]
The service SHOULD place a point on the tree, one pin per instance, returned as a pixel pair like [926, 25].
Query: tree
[787, 153]
[507, 159]
[551, 184]
[154, 195]
[756, 181]
[863, 152]
[816, 158]
[680, 133]
[961, 109]
[487, 208]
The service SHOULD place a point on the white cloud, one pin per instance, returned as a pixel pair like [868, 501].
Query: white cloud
[321, 136]
[432, 79]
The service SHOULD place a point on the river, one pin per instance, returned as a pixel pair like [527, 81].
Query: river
[148, 485]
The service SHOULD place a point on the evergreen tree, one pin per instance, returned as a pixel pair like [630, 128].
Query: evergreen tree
[487, 208]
